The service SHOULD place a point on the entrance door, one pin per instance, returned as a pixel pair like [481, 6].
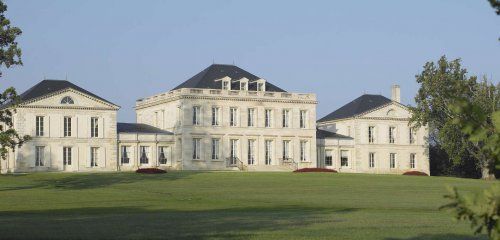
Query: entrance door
[67, 158]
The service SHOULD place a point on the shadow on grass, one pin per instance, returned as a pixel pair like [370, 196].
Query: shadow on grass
[79, 181]
[442, 237]
[137, 223]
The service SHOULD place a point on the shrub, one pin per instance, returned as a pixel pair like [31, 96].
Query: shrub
[315, 170]
[150, 170]
[415, 173]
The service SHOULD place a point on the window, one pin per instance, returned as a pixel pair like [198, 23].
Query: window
[344, 158]
[67, 100]
[94, 127]
[215, 116]
[125, 159]
[196, 115]
[243, 86]
[412, 136]
[286, 150]
[39, 126]
[268, 118]
[234, 150]
[286, 118]
[144, 155]
[268, 152]
[94, 156]
[215, 149]
[233, 117]
[162, 155]
[412, 160]
[328, 158]
[303, 118]
[225, 85]
[251, 117]
[67, 156]
[303, 151]
[251, 152]
[392, 132]
[371, 160]
[67, 126]
[196, 148]
[260, 87]
[39, 156]
[371, 134]
[392, 160]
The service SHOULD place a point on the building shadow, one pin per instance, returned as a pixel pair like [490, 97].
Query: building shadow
[138, 223]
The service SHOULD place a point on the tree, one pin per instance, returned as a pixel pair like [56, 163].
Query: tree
[496, 5]
[441, 84]
[10, 55]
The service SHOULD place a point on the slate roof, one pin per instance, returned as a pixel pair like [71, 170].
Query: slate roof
[139, 128]
[46, 87]
[320, 133]
[206, 79]
[359, 105]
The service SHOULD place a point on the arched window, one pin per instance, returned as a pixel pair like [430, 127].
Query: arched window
[67, 100]
[391, 113]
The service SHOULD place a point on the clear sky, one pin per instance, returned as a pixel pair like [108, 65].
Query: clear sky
[125, 50]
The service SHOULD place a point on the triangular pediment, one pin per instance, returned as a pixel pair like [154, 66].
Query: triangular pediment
[78, 99]
[389, 110]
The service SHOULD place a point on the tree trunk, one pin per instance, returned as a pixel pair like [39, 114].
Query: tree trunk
[488, 170]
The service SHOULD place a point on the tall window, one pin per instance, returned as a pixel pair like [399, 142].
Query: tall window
[196, 148]
[412, 160]
[39, 156]
[215, 148]
[303, 151]
[392, 160]
[94, 156]
[196, 115]
[67, 156]
[234, 150]
[303, 118]
[144, 155]
[268, 152]
[392, 132]
[67, 126]
[268, 118]
[344, 158]
[94, 127]
[233, 117]
[286, 150]
[328, 158]
[371, 160]
[162, 155]
[411, 136]
[251, 117]
[251, 152]
[215, 116]
[125, 159]
[371, 134]
[39, 126]
[286, 118]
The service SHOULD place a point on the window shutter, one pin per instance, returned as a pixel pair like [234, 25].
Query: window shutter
[100, 130]
[89, 155]
[47, 156]
[30, 162]
[102, 157]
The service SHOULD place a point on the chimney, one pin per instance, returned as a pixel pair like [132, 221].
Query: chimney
[396, 93]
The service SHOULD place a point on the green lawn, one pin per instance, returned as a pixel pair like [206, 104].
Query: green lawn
[236, 205]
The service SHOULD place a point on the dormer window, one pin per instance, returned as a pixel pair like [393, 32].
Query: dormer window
[261, 85]
[226, 85]
[243, 86]
[67, 100]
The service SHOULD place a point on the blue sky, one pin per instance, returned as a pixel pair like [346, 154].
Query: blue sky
[125, 50]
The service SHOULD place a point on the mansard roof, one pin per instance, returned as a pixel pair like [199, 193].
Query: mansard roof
[321, 134]
[46, 87]
[358, 106]
[206, 79]
[139, 128]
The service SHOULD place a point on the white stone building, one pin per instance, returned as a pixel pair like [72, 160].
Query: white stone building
[371, 134]
[223, 118]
